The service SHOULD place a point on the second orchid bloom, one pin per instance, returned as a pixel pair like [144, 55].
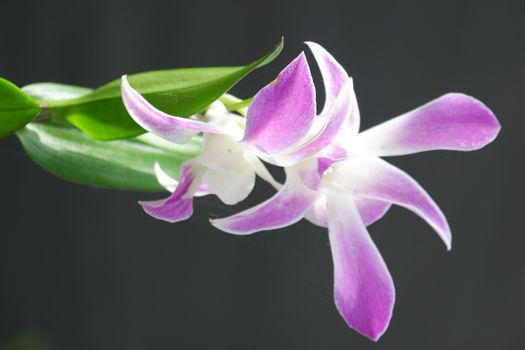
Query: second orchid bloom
[335, 177]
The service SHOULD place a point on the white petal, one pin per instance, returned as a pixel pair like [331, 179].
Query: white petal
[231, 186]
[221, 153]
[260, 169]
[164, 179]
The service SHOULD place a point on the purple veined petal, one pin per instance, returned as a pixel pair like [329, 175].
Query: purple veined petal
[335, 125]
[285, 208]
[179, 205]
[363, 288]
[334, 78]
[171, 128]
[282, 113]
[372, 177]
[451, 122]
[370, 210]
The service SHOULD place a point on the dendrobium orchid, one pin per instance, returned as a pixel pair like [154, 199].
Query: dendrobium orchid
[225, 167]
[346, 186]
[335, 177]
[228, 162]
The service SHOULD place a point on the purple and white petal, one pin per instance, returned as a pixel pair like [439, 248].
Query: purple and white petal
[451, 122]
[285, 208]
[370, 210]
[282, 113]
[334, 78]
[372, 177]
[179, 205]
[310, 178]
[363, 288]
[308, 172]
[171, 128]
[339, 116]
[333, 74]
[170, 184]
[231, 186]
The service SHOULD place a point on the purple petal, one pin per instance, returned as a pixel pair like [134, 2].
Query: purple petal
[285, 208]
[372, 177]
[171, 128]
[369, 209]
[334, 76]
[451, 122]
[282, 113]
[363, 288]
[178, 206]
[339, 116]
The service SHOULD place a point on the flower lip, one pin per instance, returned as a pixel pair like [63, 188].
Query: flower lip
[326, 165]
[332, 181]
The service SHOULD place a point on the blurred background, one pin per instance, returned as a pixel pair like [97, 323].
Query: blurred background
[84, 268]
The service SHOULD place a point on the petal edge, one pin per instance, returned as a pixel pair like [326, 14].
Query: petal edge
[454, 121]
[364, 292]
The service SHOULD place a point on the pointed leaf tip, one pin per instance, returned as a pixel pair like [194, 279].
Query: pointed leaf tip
[16, 108]
[182, 92]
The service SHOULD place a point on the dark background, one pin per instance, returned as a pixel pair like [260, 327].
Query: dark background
[86, 269]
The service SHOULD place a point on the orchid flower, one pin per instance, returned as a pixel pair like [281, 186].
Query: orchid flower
[228, 162]
[225, 167]
[344, 185]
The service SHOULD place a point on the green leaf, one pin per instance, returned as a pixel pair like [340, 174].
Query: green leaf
[16, 108]
[182, 92]
[47, 93]
[238, 106]
[123, 164]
